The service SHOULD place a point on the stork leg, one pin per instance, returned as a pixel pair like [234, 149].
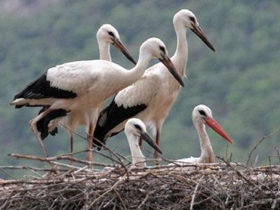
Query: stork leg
[156, 155]
[71, 148]
[90, 137]
[93, 116]
[32, 124]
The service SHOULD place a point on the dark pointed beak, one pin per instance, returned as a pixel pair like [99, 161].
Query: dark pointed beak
[120, 46]
[170, 66]
[212, 123]
[199, 32]
[146, 137]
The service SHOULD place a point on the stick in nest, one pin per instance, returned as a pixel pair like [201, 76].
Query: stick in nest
[194, 193]
[260, 141]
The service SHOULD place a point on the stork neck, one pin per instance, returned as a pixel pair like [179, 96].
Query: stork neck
[180, 57]
[104, 51]
[207, 154]
[136, 73]
[136, 154]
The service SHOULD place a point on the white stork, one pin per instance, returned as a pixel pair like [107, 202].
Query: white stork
[151, 98]
[135, 130]
[201, 116]
[85, 85]
[106, 35]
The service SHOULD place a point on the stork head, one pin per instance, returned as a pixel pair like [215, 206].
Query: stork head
[155, 48]
[203, 115]
[188, 20]
[107, 34]
[137, 128]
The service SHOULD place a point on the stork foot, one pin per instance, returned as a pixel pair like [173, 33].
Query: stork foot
[33, 127]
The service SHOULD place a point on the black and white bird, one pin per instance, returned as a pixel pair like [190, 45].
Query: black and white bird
[135, 130]
[106, 35]
[85, 85]
[201, 116]
[151, 98]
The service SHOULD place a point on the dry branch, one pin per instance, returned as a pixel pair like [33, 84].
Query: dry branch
[224, 185]
[202, 186]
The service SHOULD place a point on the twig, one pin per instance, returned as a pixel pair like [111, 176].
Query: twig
[26, 168]
[259, 202]
[109, 190]
[221, 187]
[237, 171]
[50, 159]
[113, 153]
[7, 173]
[101, 143]
[145, 199]
[120, 198]
[278, 154]
[194, 193]
[260, 141]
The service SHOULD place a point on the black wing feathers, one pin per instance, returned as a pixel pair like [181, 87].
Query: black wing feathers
[41, 88]
[112, 116]
[42, 125]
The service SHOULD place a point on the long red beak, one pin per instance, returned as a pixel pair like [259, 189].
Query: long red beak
[212, 123]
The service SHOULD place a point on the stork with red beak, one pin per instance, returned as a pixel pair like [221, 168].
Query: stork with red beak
[202, 116]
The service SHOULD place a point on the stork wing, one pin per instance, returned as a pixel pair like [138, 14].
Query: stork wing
[64, 81]
[126, 104]
[43, 124]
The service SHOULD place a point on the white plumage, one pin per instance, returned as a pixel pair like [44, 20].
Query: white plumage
[151, 98]
[100, 80]
[135, 130]
[106, 35]
[201, 116]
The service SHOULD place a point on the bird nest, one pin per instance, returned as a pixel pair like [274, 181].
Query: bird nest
[223, 185]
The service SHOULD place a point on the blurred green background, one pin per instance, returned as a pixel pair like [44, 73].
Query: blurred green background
[240, 82]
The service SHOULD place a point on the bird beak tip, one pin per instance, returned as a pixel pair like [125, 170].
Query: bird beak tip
[121, 47]
[134, 62]
[199, 32]
[146, 137]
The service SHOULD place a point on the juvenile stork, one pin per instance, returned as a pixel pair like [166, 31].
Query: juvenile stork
[106, 35]
[85, 85]
[201, 116]
[135, 130]
[151, 98]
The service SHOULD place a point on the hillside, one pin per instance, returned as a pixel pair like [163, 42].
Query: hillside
[239, 82]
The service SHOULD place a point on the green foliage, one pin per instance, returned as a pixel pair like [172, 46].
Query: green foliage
[240, 82]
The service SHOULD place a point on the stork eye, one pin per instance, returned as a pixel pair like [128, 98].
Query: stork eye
[202, 112]
[162, 48]
[111, 33]
[137, 127]
[192, 19]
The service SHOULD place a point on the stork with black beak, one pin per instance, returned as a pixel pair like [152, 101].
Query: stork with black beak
[85, 85]
[135, 130]
[106, 35]
[151, 98]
